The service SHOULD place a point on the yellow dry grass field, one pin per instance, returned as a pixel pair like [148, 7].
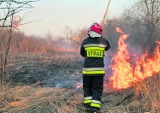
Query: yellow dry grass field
[29, 99]
[143, 98]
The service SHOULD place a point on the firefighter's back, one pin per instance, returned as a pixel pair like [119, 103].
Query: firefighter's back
[94, 48]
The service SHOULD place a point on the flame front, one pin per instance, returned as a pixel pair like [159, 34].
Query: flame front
[124, 73]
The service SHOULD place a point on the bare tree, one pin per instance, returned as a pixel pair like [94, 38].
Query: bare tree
[144, 17]
[8, 9]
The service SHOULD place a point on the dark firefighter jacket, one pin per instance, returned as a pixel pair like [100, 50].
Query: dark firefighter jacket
[92, 49]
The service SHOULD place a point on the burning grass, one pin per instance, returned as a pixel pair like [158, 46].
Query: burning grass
[127, 71]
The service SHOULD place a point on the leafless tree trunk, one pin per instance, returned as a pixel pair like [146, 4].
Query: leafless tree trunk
[8, 9]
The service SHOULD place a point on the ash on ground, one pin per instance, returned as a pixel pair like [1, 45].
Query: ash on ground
[52, 70]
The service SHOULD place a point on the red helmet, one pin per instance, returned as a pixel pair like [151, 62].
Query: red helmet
[96, 28]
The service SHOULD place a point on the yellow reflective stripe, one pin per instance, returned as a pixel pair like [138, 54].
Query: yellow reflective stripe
[95, 48]
[95, 105]
[94, 72]
[97, 45]
[87, 101]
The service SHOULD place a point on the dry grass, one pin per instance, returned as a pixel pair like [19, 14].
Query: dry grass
[30, 99]
[147, 95]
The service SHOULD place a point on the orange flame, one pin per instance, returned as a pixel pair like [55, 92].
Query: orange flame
[126, 74]
[119, 30]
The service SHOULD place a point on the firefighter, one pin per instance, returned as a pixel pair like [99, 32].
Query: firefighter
[92, 49]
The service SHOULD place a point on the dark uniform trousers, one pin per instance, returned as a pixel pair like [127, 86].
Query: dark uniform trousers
[93, 89]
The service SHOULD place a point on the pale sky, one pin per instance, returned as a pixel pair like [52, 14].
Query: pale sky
[54, 15]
